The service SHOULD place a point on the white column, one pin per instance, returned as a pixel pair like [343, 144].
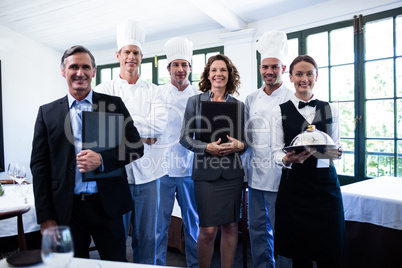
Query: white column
[239, 46]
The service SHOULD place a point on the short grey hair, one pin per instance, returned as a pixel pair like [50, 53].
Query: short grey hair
[76, 49]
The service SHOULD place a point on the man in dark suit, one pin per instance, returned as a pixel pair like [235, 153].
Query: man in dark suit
[93, 208]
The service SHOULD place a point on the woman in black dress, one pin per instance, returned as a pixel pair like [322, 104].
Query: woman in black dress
[309, 210]
[217, 169]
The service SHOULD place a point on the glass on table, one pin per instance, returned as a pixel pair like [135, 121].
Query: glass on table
[19, 178]
[20, 174]
[57, 246]
[11, 170]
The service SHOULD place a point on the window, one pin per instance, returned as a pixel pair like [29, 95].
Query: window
[333, 50]
[382, 99]
[154, 70]
[360, 71]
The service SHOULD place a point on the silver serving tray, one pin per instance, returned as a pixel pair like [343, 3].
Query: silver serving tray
[319, 147]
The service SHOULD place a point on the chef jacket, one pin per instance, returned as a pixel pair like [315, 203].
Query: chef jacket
[145, 104]
[262, 173]
[178, 159]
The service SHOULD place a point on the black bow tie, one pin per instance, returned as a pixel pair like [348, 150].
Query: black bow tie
[304, 104]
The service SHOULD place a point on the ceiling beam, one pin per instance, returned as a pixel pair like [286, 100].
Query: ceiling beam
[221, 14]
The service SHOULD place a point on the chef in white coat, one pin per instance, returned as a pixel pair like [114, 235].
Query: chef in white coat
[262, 173]
[177, 183]
[146, 106]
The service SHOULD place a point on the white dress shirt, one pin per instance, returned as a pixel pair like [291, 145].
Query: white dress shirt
[308, 113]
[76, 109]
[262, 173]
[145, 104]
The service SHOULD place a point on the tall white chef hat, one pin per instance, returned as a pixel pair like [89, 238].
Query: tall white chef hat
[179, 48]
[130, 33]
[273, 44]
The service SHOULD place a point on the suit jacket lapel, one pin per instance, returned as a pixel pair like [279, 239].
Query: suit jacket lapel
[204, 96]
[65, 114]
[95, 101]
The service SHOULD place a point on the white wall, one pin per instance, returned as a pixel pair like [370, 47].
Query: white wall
[30, 77]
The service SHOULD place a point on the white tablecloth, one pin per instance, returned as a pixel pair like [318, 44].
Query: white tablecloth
[82, 263]
[377, 201]
[12, 200]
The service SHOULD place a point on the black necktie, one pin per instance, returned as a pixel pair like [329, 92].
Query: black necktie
[304, 104]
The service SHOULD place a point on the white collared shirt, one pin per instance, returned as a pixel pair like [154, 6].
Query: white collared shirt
[145, 104]
[308, 113]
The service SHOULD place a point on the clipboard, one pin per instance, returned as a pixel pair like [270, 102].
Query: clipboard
[102, 131]
[219, 119]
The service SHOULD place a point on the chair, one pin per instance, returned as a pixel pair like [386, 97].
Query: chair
[6, 181]
[11, 182]
[22, 245]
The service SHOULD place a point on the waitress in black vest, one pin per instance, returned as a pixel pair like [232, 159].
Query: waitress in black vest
[309, 211]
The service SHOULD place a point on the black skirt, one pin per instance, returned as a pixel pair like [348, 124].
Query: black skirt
[309, 221]
[218, 202]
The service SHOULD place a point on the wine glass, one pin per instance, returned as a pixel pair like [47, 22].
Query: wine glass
[57, 246]
[19, 174]
[19, 177]
[11, 171]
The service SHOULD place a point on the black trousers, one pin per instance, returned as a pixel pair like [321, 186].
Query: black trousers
[89, 220]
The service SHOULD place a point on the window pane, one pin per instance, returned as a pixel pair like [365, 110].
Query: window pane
[380, 119]
[399, 162]
[399, 118]
[317, 47]
[198, 67]
[379, 79]
[293, 52]
[380, 158]
[346, 165]
[163, 74]
[106, 75]
[210, 54]
[399, 76]
[342, 83]
[115, 72]
[342, 46]
[398, 35]
[379, 39]
[288, 84]
[146, 71]
[346, 117]
[320, 89]
[93, 82]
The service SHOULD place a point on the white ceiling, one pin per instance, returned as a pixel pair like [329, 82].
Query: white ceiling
[92, 23]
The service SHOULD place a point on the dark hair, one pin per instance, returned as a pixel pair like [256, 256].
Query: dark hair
[233, 80]
[300, 58]
[76, 49]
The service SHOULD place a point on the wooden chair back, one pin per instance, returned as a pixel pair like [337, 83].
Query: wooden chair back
[22, 245]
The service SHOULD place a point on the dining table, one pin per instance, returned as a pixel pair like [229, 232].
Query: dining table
[16, 197]
[373, 220]
[87, 263]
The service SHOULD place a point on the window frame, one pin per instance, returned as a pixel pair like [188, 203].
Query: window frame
[360, 100]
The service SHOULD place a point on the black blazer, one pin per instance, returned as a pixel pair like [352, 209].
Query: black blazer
[206, 166]
[53, 161]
